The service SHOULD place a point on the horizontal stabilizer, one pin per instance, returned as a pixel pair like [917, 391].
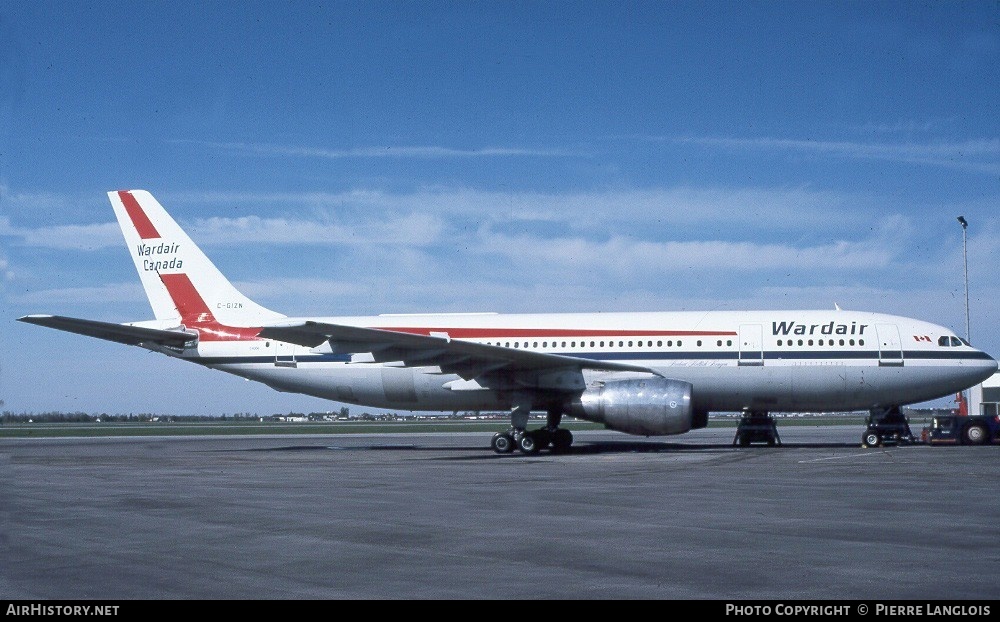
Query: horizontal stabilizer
[121, 333]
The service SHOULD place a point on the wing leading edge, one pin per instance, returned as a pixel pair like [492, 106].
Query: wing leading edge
[464, 358]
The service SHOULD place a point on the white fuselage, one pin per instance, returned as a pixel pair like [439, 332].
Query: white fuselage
[763, 360]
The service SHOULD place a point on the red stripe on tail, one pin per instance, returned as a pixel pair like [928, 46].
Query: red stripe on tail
[139, 219]
[196, 315]
[186, 298]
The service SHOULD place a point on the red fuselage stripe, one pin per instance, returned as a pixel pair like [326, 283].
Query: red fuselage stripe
[196, 315]
[139, 219]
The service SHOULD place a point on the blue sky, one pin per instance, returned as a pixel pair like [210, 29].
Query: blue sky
[375, 157]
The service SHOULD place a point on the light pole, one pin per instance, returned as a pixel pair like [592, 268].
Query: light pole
[965, 257]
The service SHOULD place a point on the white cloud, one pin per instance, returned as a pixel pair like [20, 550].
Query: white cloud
[384, 151]
[705, 209]
[110, 293]
[32, 201]
[445, 215]
[410, 229]
[624, 257]
[67, 237]
[982, 155]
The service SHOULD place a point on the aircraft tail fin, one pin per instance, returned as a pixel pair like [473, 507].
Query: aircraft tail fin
[180, 281]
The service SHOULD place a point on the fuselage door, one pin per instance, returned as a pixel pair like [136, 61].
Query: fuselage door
[284, 354]
[890, 350]
[751, 344]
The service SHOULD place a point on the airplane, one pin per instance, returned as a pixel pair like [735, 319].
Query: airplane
[647, 374]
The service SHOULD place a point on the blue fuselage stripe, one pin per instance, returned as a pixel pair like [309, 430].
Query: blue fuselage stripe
[670, 355]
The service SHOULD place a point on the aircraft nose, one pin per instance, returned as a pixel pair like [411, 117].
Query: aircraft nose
[987, 365]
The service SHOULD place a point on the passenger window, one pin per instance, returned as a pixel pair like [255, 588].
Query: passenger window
[659, 344]
[861, 342]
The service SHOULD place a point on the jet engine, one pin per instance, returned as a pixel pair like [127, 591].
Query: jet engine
[646, 406]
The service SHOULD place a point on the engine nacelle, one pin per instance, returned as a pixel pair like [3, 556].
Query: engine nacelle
[646, 406]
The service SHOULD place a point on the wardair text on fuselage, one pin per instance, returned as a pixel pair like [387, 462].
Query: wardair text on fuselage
[827, 328]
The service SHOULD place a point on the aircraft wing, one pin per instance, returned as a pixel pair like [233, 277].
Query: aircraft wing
[121, 333]
[466, 359]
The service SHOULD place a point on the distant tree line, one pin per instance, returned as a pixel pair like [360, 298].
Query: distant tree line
[342, 414]
[81, 417]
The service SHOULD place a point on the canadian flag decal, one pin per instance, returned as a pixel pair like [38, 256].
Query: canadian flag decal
[922, 338]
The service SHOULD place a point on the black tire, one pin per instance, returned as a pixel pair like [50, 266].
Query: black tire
[561, 440]
[502, 443]
[974, 434]
[528, 443]
[871, 438]
[744, 441]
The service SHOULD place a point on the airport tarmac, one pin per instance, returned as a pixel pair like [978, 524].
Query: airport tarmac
[426, 516]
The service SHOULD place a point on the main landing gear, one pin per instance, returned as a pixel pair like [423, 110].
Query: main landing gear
[756, 427]
[886, 426]
[532, 441]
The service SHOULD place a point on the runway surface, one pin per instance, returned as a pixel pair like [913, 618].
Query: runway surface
[440, 516]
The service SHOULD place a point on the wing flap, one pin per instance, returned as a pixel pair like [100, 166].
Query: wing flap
[109, 331]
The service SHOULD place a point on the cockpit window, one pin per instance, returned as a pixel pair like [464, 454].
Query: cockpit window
[951, 341]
